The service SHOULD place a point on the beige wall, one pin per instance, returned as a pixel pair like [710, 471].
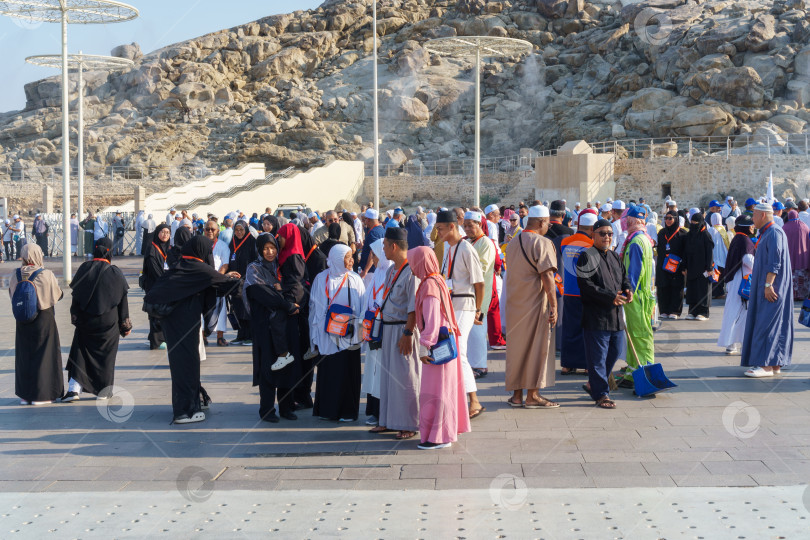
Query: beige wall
[447, 190]
[575, 177]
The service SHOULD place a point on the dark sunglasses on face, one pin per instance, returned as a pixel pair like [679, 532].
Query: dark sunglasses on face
[604, 233]
[669, 218]
[211, 229]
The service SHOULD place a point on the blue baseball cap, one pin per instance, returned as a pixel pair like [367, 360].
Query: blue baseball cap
[637, 212]
[749, 201]
[715, 204]
[778, 206]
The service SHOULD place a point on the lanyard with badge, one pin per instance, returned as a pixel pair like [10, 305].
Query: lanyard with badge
[450, 262]
[233, 255]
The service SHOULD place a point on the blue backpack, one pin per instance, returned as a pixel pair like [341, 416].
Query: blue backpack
[24, 299]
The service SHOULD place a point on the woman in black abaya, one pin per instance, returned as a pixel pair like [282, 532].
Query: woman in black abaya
[192, 287]
[100, 313]
[37, 354]
[669, 285]
[243, 252]
[181, 236]
[154, 264]
[274, 320]
[697, 264]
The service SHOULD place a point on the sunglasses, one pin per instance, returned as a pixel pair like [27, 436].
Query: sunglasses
[669, 218]
[211, 229]
[604, 233]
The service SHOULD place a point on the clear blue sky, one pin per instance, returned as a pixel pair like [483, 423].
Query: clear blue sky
[162, 22]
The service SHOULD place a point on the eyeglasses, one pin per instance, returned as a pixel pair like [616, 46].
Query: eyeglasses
[213, 229]
[668, 218]
[604, 233]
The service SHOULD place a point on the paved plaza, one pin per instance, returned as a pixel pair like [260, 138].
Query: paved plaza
[721, 456]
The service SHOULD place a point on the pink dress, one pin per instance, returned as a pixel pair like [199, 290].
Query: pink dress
[442, 401]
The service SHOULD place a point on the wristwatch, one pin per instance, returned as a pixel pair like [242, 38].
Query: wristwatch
[407, 332]
[768, 284]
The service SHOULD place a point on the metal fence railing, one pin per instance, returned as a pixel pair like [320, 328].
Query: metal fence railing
[268, 179]
[451, 167]
[56, 232]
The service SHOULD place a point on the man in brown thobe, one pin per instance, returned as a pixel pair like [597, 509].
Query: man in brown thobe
[531, 312]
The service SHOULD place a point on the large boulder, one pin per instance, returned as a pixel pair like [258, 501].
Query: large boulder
[739, 86]
[405, 108]
[702, 121]
[762, 32]
[552, 8]
[130, 52]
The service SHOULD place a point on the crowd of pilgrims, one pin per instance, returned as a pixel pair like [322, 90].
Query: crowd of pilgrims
[309, 296]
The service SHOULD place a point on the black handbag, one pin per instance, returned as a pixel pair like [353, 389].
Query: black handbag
[158, 311]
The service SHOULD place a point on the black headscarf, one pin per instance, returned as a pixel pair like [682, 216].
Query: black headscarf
[261, 272]
[242, 253]
[164, 246]
[181, 236]
[675, 223]
[333, 239]
[99, 286]
[191, 275]
[314, 260]
[697, 223]
[740, 246]
[274, 222]
[347, 217]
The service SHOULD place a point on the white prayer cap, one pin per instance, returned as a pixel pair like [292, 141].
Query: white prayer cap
[185, 222]
[354, 214]
[475, 216]
[729, 198]
[419, 209]
[789, 199]
[609, 200]
[16, 216]
[299, 207]
[693, 211]
[669, 197]
[37, 215]
[577, 204]
[671, 202]
[443, 209]
[618, 205]
[597, 203]
[491, 208]
[173, 209]
[372, 214]
[192, 215]
[538, 211]
[587, 219]
[312, 215]
[764, 207]
[606, 208]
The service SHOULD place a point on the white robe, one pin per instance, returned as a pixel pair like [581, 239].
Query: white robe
[736, 312]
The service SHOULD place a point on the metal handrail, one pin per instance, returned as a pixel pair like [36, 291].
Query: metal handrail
[256, 182]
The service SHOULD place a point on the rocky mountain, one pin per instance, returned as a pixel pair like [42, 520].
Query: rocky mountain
[295, 90]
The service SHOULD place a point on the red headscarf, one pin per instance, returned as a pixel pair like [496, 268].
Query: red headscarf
[292, 243]
[424, 266]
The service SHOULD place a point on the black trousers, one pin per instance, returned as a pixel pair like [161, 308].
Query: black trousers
[699, 296]
[372, 406]
[155, 334]
[303, 390]
[267, 399]
[670, 296]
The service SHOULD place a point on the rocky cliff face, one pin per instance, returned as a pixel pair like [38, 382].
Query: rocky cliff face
[296, 89]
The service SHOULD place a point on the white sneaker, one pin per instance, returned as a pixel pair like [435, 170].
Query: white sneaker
[41, 402]
[432, 446]
[311, 353]
[732, 351]
[674, 317]
[372, 421]
[498, 347]
[701, 318]
[282, 362]
[758, 372]
[185, 419]
[23, 402]
[690, 317]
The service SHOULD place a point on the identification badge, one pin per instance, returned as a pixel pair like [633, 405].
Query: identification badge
[667, 247]
[449, 283]
[165, 265]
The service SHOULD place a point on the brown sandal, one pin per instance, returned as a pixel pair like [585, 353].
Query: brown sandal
[605, 402]
[380, 429]
[545, 404]
[402, 435]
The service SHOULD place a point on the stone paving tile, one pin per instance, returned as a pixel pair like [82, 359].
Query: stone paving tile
[317, 484]
[712, 480]
[633, 481]
[68, 486]
[559, 482]
[75, 473]
[387, 473]
[408, 484]
[547, 457]
[310, 474]
[737, 467]
[687, 455]
[422, 458]
[614, 469]
[680, 468]
[237, 474]
[558, 470]
[614, 456]
[151, 485]
[431, 471]
[489, 470]
[475, 458]
[782, 479]
[467, 483]
[131, 473]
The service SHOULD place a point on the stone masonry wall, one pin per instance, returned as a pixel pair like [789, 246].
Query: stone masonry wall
[697, 180]
[447, 190]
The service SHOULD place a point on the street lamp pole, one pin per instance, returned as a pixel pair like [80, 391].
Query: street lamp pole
[477, 165]
[376, 116]
[66, 260]
[80, 144]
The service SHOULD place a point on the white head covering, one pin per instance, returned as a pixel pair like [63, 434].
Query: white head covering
[693, 211]
[538, 212]
[653, 217]
[491, 208]
[372, 214]
[681, 221]
[337, 268]
[587, 219]
[431, 222]
[379, 274]
[475, 216]
[715, 219]
[731, 222]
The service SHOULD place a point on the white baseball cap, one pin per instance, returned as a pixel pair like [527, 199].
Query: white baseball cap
[538, 211]
[618, 205]
[372, 214]
[312, 215]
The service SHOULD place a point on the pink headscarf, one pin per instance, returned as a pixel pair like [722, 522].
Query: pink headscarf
[798, 238]
[424, 266]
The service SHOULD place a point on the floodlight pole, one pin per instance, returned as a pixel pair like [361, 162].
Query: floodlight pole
[376, 116]
[477, 164]
[66, 260]
[80, 143]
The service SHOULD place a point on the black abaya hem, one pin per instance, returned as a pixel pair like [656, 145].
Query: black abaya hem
[38, 359]
[337, 386]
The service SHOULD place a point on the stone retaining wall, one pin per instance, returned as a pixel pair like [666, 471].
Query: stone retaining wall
[447, 190]
[696, 180]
